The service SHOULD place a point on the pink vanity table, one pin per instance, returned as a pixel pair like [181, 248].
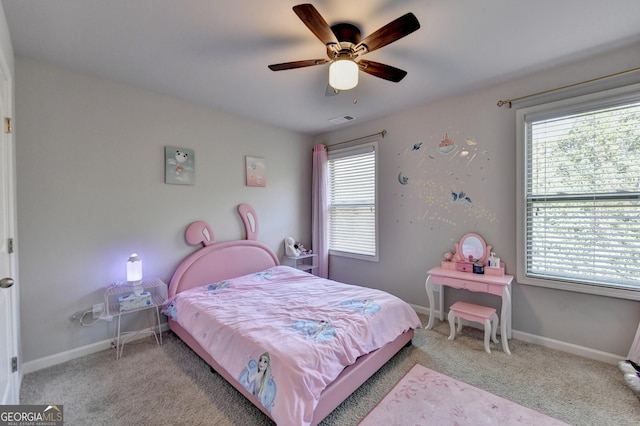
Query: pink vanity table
[499, 285]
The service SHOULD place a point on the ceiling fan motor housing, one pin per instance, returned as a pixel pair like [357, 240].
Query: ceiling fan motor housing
[349, 36]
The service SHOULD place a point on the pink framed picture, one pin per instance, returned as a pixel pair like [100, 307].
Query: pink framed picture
[256, 171]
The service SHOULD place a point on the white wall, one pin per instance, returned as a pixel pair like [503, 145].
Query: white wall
[90, 175]
[420, 220]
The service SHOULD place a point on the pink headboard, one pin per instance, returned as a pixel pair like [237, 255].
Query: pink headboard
[219, 261]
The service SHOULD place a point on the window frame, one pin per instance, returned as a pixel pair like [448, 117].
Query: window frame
[524, 116]
[347, 152]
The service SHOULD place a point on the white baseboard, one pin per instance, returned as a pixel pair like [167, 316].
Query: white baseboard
[59, 358]
[582, 351]
[55, 359]
[423, 310]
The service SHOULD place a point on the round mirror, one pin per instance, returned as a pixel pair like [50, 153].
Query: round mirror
[472, 248]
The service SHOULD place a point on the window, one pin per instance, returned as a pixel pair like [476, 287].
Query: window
[579, 194]
[352, 202]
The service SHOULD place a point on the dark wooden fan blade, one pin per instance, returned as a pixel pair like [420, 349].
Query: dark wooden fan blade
[297, 64]
[391, 32]
[386, 72]
[316, 23]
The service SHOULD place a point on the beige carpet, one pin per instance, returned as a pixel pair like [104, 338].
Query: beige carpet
[170, 385]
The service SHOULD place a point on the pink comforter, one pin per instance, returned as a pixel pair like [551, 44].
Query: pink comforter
[286, 334]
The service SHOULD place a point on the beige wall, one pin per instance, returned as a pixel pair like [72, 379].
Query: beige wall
[90, 174]
[420, 220]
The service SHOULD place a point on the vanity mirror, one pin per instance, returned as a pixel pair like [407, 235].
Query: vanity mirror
[472, 248]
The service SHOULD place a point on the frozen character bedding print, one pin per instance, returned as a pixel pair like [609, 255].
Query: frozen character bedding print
[316, 330]
[364, 306]
[256, 378]
[171, 311]
[217, 287]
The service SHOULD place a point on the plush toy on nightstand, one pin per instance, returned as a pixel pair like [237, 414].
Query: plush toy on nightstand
[290, 248]
[298, 245]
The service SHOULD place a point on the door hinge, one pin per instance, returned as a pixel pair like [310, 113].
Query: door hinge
[10, 246]
[7, 125]
[14, 364]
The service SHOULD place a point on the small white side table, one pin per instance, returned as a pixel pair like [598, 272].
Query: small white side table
[158, 290]
[304, 262]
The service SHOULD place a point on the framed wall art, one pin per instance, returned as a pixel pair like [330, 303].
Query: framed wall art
[179, 166]
[256, 171]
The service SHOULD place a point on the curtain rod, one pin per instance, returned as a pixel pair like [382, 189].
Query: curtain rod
[382, 133]
[510, 101]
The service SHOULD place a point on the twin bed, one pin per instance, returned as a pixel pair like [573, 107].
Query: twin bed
[294, 344]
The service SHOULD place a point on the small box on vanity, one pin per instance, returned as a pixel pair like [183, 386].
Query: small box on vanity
[464, 266]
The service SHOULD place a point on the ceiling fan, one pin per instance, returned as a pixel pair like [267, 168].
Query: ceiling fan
[345, 48]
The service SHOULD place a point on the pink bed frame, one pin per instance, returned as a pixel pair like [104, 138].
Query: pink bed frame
[219, 261]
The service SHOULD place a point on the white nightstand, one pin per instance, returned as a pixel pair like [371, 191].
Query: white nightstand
[158, 295]
[304, 262]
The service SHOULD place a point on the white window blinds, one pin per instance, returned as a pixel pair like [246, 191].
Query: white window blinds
[352, 201]
[582, 194]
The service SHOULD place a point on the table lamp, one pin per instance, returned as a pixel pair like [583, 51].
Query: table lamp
[134, 273]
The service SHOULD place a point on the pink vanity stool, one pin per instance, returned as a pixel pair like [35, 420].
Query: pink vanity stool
[475, 313]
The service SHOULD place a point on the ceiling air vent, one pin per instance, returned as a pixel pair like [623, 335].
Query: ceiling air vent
[341, 120]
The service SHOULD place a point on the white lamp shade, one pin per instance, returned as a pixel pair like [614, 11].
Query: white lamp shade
[134, 269]
[343, 74]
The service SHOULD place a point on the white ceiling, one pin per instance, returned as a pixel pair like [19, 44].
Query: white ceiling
[215, 52]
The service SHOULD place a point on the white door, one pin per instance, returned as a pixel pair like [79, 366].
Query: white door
[9, 379]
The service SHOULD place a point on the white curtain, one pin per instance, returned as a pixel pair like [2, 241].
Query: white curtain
[319, 210]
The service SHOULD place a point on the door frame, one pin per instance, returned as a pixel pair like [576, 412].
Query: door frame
[13, 346]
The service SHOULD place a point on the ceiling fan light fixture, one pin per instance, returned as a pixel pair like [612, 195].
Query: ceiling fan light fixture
[343, 74]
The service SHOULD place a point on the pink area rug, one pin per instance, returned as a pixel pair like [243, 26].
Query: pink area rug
[426, 397]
